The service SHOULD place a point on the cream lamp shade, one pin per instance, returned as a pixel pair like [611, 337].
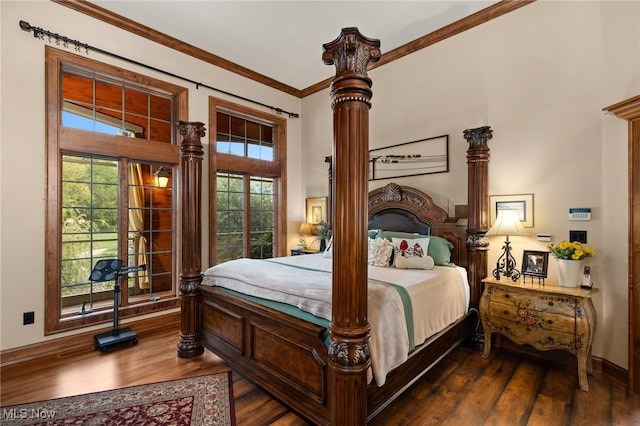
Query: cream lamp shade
[507, 223]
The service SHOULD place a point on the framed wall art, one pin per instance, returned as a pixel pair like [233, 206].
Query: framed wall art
[421, 157]
[316, 210]
[523, 203]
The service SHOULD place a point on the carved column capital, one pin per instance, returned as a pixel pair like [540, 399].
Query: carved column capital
[191, 132]
[351, 52]
[478, 136]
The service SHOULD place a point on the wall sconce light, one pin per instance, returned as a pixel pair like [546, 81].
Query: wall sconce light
[161, 177]
[507, 223]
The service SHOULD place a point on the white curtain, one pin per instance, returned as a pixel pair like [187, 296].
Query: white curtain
[136, 221]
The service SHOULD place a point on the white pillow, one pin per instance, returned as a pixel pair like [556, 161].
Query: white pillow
[411, 253]
[379, 252]
[328, 252]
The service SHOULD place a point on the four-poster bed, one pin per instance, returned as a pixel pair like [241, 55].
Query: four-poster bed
[288, 356]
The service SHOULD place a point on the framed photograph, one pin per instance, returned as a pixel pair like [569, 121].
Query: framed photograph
[521, 202]
[535, 263]
[316, 210]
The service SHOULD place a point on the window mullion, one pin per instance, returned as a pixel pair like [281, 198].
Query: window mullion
[123, 226]
[246, 180]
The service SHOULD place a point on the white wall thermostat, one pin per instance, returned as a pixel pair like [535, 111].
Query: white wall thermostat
[582, 213]
[586, 277]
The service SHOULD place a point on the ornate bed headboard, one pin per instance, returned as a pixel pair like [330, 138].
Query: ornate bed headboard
[402, 208]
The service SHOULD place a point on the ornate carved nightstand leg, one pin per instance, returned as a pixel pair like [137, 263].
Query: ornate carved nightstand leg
[582, 369]
[487, 343]
[485, 320]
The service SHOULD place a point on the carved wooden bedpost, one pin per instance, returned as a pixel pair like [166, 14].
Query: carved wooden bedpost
[478, 185]
[349, 328]
[191, 154]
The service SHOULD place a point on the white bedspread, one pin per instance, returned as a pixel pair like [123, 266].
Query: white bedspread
[439, 297]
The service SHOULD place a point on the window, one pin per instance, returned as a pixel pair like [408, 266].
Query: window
[240, 197]
[110, 133]
[247, 183]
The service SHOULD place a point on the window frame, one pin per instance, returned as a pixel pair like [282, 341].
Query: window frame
[64, 140]
[228, 163]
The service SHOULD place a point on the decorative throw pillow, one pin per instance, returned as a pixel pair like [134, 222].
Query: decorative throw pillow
[439, 248]
[328, 252]
[379, 253]
[411, 253]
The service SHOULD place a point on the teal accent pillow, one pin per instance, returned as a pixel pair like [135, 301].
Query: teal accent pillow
[373, 233]
[439, 248]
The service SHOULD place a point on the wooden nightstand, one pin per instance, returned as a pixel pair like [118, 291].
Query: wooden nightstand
[296, 252]
[545, 317]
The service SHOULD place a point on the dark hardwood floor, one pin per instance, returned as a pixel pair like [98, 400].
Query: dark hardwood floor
[464, 389]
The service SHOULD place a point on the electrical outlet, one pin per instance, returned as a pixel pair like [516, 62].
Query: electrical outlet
[28, 318]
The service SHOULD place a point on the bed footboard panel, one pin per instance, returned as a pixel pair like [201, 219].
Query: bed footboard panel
[284, 355]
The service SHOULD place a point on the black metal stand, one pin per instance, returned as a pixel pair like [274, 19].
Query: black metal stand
[506, 264]
[105, 270]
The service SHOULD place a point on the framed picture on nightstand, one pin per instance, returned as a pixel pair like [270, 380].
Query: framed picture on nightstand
[535, 263]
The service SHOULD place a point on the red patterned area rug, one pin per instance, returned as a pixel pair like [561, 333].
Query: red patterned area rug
[205, 400]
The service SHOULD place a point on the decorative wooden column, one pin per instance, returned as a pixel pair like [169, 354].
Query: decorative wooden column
[349, 328]
[191, 154]
[478, 201]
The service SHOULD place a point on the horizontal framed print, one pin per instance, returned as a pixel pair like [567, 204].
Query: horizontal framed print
[421, 157]
[523, 203]
[535, 263]
[317, 210]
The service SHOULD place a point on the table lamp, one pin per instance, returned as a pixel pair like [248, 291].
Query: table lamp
[306, 230]
[507, 223]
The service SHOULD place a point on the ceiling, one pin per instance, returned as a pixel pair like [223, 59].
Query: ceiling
[283, 39]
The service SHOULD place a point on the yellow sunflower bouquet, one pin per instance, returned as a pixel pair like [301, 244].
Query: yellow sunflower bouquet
[571, 250]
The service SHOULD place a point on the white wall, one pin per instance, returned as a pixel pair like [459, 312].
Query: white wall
[539, 76]
[22, 143]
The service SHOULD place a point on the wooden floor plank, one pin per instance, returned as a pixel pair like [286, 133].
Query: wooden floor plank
[480, 397]
[592, 407]
[625, 406]
[548, 411]
[518, 397]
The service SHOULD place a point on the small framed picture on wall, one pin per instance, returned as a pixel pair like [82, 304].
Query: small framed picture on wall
[316, 210]
[523, 203]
